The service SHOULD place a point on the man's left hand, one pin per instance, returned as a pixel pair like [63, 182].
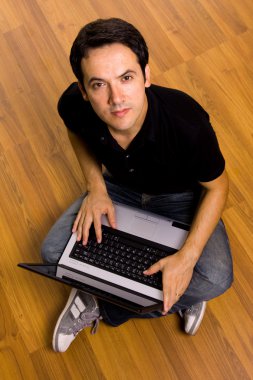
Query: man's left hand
[176, 275]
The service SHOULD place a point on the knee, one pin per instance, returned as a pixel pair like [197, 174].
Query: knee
[49, 253]
[220, 273]
[222, 279]
[217, 289]
[204, 287]
[217, 277]
[216, 260]
[213, 279]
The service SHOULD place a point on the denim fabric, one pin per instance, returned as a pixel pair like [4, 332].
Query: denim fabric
[213, 273]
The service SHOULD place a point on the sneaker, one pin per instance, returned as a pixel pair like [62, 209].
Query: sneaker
[193, 317]
[81, 311]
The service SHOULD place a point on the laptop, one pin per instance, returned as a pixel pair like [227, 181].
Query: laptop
[113, 269]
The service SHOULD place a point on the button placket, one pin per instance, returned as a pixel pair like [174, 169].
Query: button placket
[128, 166]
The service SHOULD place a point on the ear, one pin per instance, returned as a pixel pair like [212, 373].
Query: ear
[84, 93]
[147, 76]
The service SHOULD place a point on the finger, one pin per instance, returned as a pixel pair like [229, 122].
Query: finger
[85, 228]
[169, 293]
[153, 269]
[80, 227]
[111, 217]
[166, 302]
[97, 226]
[169, 299]
[76, 222]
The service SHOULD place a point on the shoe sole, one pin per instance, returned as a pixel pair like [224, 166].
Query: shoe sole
[70, 300]
[196, 325]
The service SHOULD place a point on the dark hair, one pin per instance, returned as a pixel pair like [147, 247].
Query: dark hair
[103, 32]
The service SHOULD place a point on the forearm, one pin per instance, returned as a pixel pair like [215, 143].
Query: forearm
[206, 218]
[178, 268]
[97, 202]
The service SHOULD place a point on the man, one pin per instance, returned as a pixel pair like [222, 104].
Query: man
[160, 153]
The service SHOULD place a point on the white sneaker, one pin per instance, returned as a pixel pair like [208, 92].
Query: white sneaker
[193, 317]
[81, 311]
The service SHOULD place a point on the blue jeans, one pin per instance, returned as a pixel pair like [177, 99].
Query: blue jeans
[213, 273]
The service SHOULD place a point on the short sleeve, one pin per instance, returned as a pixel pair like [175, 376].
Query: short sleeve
[72, 108]
[210, 161]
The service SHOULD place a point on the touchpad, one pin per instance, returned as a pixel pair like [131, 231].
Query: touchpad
[143, 227]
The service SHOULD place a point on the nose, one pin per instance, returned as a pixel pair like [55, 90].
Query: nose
[115, 95]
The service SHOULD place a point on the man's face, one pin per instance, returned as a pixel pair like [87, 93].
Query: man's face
[115, 86]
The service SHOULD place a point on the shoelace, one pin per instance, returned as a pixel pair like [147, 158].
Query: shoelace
[189, 310]
[95, 326]
[192, 310]
[86, 321]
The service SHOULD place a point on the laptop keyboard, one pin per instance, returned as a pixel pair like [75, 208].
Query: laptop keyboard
[122, 254]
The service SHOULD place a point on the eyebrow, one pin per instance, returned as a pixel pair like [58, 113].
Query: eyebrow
[92, 79]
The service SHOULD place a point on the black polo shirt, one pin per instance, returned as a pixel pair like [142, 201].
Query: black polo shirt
[174, 150]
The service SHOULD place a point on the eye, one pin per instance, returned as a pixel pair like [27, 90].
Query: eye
[97, 85]
[127, 78]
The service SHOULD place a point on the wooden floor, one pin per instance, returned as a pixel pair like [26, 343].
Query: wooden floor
[203, 47]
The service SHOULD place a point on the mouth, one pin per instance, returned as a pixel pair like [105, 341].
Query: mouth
[121, 113]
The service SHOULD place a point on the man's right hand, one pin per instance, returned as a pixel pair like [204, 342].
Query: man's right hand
[93, 207]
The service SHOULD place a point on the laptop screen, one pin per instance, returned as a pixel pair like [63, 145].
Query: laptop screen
[129, 300]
